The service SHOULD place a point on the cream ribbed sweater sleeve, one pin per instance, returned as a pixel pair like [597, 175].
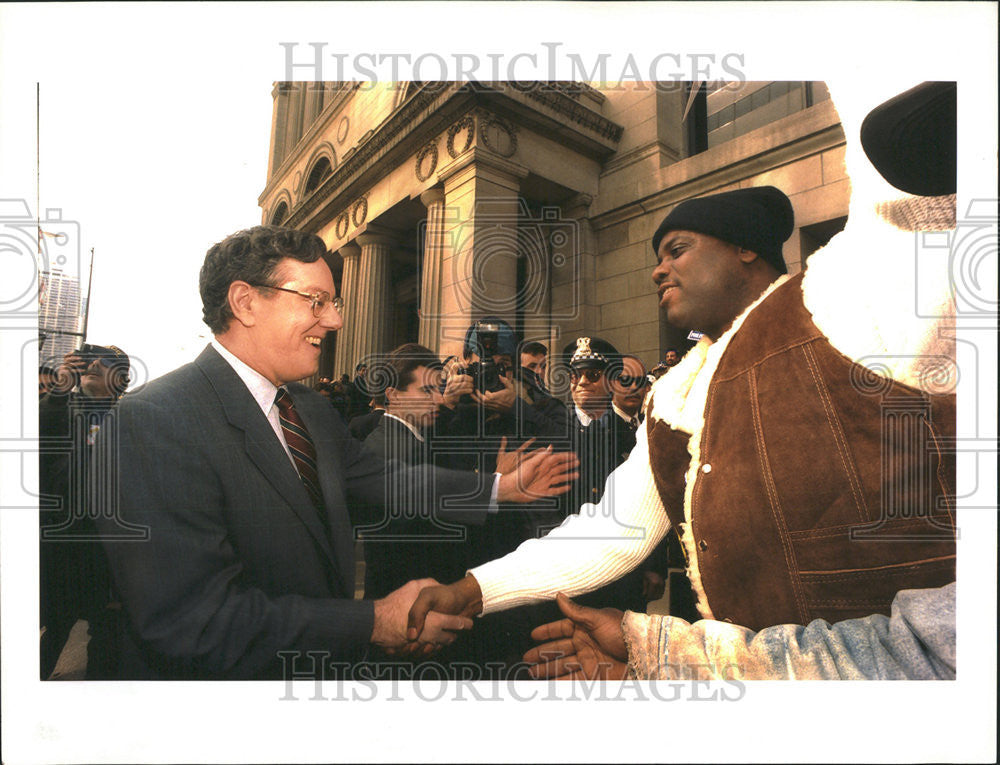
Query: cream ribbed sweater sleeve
[598, 545]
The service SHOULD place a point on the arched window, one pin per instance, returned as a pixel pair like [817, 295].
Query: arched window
[319, 173]
[279, 215]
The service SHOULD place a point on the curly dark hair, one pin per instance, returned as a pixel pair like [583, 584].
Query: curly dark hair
[251, 255]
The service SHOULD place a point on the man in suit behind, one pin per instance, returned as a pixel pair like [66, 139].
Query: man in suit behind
[243, 484]
[403, 546]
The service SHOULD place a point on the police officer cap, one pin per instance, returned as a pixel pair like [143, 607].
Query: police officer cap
[590, 353]
[758, 219]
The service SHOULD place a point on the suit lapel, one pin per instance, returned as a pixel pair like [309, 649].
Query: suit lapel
[262, 445]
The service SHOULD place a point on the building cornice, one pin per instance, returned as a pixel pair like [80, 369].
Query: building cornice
[799, 135]
[554, 110]
[306, 143]
[421, 116]
[428, 113]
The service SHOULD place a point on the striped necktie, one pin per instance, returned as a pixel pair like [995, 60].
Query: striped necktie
[301, 446]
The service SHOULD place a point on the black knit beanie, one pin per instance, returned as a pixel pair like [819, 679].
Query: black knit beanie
[758, 219]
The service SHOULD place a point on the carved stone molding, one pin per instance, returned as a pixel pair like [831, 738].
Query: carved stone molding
[427, 159]
[565, 102]
[497, 135]
[343, 225]
[342, 128]
[354, 159]
[359, 212]
[468, 124]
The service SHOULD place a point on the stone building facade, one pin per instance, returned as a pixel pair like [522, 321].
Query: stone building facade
[447, 202]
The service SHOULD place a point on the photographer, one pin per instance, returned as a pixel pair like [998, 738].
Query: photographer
[488, 378]
[485, 400]
[74, 579]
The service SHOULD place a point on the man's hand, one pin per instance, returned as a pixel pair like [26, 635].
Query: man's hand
[456, 387]
[69, 372]
[390, 630]
[588, 644]
[542, 474]
[508, 462]
[498, 400]
[463, 598]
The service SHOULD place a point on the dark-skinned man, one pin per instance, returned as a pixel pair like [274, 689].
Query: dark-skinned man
[758, 449]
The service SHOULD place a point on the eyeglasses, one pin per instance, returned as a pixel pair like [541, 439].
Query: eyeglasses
[627, 381]
[317, 300]
[591, 375]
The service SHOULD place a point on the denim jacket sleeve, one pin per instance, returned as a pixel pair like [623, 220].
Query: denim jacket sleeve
[916, 642]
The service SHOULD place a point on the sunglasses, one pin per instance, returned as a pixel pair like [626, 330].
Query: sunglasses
[627, 381]
[591, 375]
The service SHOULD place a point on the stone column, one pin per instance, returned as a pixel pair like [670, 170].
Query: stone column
[345, 361]
[279, 126]
[479, 268]
[430, 283]
[374, 314]
[313, 103]
[296, 114]
[574, 298]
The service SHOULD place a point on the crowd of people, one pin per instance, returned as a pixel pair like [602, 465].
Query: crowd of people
[479, 491]
[474, 413]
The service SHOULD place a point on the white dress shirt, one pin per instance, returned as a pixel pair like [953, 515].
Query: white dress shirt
[263, 391]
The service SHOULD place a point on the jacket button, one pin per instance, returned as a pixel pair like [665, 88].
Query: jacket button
[703, 545]
[706, 468]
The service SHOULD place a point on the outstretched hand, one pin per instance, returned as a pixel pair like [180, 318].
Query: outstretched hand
[588, 644]
[543, 473]
[463, 598]
[391, 615]
[508, 462]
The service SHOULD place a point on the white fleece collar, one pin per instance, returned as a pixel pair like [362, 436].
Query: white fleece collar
[679, 396]
[679, 399]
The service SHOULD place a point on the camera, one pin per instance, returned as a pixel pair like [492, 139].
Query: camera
[486, 372]
[91, 353]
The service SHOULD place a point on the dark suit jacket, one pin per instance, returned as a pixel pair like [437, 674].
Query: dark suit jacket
[238, 567]
[361, 426]
[421, 541]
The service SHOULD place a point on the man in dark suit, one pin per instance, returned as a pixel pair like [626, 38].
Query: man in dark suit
[399, 548]
[245, 483]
